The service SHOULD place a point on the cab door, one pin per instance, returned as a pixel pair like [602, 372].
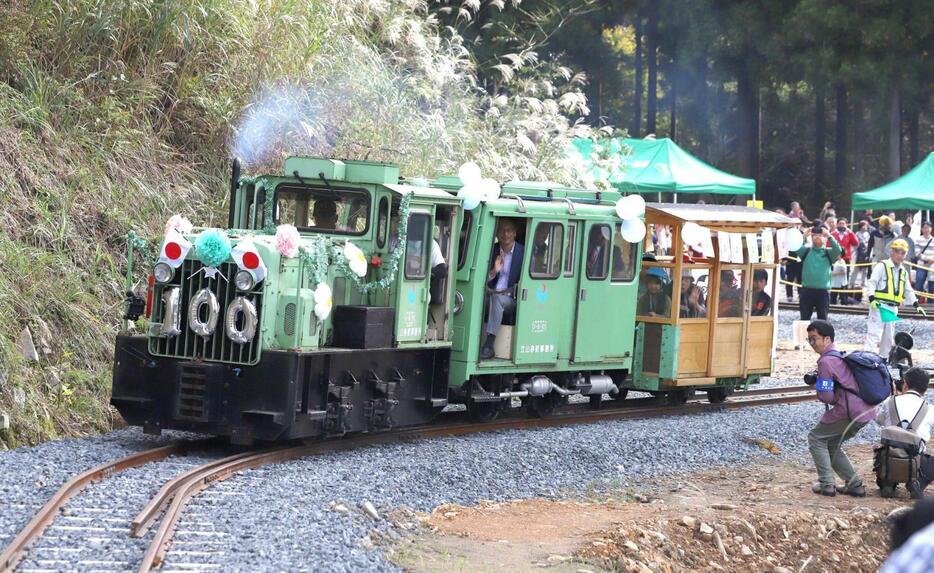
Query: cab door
[542, 295]
[593, 292]
[412, 295]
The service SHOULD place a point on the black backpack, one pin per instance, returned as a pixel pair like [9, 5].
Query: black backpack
[871, 374]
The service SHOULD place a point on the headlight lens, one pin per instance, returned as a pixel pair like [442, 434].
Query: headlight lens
[163, 273]
[244, 280]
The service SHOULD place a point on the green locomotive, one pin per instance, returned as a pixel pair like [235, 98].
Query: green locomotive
[345, 298]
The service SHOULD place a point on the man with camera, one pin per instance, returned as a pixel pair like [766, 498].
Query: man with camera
[816, 264]
[888, 286]
[847, 414]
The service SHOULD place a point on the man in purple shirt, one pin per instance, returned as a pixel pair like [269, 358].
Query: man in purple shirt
[844, 418]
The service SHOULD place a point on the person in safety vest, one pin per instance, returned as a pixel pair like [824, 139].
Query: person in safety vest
[888, 287]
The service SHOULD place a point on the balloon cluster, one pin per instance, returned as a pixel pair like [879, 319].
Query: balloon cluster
[794, 240]
[476, 188]
[630, 209]
[693, 234]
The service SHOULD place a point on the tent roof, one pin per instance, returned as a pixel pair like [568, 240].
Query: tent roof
[913, 190]
[659, 165]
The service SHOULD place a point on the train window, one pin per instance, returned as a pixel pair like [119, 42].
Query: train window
[762, 285]
[547, 244]
[693, 302]
[661, 240]
[654, 293]
[343, 212]
[624, 258]
[571, 250]
[417, 245]
[730, 301]
[598, 252]
[464, 239]
[382, 222]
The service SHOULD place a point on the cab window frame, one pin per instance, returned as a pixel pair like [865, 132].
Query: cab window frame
[559, 268]
[606, 256]
[463, 242]
[382, 222]
[316, 192]
[425, 254]
[634, 258]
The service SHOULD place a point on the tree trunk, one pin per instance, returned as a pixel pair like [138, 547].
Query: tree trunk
[637, 93]
[651, 52]
[895, 134]
[703, 123]
[820, 137]
[839, 160]
[859, 122]
[673, 130]
[914, 132]
[748, 101]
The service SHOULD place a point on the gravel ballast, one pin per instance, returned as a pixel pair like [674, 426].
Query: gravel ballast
[311, 514]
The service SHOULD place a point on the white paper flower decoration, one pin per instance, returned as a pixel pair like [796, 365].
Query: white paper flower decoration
[323, 301]
[356, 260]
[179, 224]
[287, 240]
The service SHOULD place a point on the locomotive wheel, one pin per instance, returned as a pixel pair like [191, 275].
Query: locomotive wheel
[542, 406]
[621, 395]
[717, 395]
[678, 397]
[482, 412]
[595, 401]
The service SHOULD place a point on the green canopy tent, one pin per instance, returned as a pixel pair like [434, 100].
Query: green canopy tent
[657, 166]
[913, 190]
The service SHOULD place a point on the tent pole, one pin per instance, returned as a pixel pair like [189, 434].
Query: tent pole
[676, 197]
[659, 196]
[852, 219]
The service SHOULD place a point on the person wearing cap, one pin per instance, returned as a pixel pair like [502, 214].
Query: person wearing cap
[654, 301]
[880, 239]
[816, 263]
[888, 287]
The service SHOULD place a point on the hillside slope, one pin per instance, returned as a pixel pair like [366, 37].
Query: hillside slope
[116, 114]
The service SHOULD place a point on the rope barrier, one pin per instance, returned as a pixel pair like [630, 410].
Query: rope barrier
[918, 293]
[915, 265]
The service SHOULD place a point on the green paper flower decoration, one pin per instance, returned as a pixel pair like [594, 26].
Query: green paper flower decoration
[212, 247]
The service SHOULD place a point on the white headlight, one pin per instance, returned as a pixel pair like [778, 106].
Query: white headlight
[163, 273]
[244, 280]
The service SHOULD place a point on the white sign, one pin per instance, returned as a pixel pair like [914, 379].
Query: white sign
[768, 246]
[726, 251]
[752, 245]
[782, 239]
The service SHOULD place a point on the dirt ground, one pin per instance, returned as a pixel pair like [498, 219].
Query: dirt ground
[761, 517]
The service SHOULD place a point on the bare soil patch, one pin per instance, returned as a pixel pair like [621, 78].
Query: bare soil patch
[757, 517]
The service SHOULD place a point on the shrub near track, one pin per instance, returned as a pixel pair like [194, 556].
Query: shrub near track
[115, 114]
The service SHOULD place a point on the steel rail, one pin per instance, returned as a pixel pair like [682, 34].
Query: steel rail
[858, 309]
[175, 495]
[14, 552]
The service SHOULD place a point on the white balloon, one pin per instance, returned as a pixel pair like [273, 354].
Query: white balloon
[469, 173]
[632, 230]
[630, 207]
[793, 239]
[692, 233]
[491, 189]
[471, 195]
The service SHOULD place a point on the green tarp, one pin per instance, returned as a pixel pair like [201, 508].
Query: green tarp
[913, 190]
[659, 165]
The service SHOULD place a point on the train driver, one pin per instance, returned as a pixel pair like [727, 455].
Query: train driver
[325, 214]
[504, 273]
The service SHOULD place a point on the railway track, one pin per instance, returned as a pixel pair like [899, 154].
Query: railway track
[863, 310]
[171, 499]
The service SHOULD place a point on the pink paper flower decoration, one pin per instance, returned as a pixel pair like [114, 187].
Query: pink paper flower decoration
[287, 240]
[178, 223]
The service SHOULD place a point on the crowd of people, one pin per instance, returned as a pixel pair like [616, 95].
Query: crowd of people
[848, 255]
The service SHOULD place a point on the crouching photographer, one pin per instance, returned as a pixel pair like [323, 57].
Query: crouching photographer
[906, 421]
[846, 415]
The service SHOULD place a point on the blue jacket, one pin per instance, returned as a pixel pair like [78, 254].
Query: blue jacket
[515, 270]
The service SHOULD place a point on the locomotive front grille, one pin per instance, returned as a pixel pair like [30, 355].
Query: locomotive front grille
[192, 394]
[217, 347]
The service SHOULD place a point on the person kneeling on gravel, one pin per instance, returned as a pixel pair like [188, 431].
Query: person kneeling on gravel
[906, 419]
[847, 414]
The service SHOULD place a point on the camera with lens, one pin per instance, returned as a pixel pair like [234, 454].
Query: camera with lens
[818, 229]
[811, 378]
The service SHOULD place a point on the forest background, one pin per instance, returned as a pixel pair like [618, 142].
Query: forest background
[116, 114]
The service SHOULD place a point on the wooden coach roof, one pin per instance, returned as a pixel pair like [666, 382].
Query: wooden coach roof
[722, 217]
